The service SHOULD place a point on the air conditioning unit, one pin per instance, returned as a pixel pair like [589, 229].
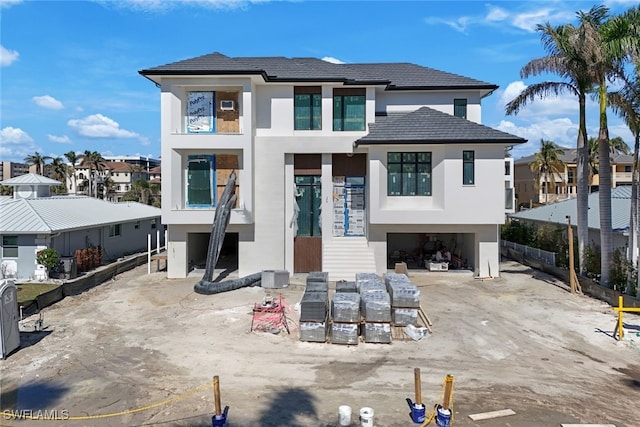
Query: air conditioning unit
[227, 105]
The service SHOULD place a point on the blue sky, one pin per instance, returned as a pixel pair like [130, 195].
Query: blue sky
[69, 70]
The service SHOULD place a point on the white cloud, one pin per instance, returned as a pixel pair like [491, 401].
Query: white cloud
[562, 131]
[15, 144]
[7, 57]
[550, 106]
[64, 139]
[99, 126]
[332, 60]
[8, 3]
[496, 14]
[48, 102]
[459, 24]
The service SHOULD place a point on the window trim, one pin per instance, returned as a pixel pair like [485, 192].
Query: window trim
[6, 246]
[471, 162]
[209, 105]
[212, 184]
[416, 163]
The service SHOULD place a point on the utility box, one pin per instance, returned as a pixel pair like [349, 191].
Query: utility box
[70, 267]
[9, 330]
[274, 279]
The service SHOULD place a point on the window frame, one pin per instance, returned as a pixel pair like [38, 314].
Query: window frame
[472, 163]
[427, 166]
[339, 106]
[315, 111]
[211, 158]
[115, 230]
[10, 246]
[460, 107]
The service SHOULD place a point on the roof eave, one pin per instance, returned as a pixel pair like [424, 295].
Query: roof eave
[506, 142]
[491, 88]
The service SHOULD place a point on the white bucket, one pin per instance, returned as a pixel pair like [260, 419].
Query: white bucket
[366, 417]
[344, 415]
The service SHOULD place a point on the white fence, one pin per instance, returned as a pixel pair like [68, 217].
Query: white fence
[544, 256]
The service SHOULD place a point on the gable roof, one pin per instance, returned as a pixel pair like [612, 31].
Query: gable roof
[429, 126]
[394, 76]
[557, 212]
[67, 213]
[570, 156]
[29, 179]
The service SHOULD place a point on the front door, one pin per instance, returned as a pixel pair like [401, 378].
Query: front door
[349, 206]
[307, 245]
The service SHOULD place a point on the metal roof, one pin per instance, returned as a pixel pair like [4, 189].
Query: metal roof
[395, 76]
[65, 213]
[427, 125]
[30, 179]
[557, 212]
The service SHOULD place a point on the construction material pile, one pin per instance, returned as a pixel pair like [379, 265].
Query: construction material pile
[368, 307]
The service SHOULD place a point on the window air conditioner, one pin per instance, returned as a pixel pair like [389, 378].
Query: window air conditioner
[227, 105]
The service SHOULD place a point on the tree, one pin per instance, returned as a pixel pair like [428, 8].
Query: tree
[547, 164]
[564, 60]
[59, 169]
[143, 192]
[72, 157]
[96, 163]
[605, 44]
[617, 145]
[38, 160]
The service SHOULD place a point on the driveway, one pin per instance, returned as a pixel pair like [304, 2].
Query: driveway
[519, 342]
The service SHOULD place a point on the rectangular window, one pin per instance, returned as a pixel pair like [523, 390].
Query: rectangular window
[349, 109]
[468, 168]
[201, 112]
[10, 246]
[153, 224]
[570, 177]
[409, 174]
[201, 181]
[114, 230]
[307, 108]
[628, 168]
[308, 198]
[460, 108]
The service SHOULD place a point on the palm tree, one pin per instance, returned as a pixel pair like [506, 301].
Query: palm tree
[564, 60]
[617, 144]
[605, 45]
[39, 160]
[72, 157]
[96, 163]
[59, 168]
[547, 164]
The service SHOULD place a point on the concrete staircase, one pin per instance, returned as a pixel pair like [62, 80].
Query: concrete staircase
[345, 256]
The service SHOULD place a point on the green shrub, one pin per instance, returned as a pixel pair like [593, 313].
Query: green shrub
[49, 258]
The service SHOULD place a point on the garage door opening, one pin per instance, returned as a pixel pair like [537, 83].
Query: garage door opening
[198, 245]
[417, 249]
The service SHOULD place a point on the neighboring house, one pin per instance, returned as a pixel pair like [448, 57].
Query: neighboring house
[113, 180]
[339, 166]
[556, 214]
[32, 220]
[142, 162]
[564, 184]
[155, 175]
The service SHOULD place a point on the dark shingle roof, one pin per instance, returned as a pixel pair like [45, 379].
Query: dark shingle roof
[395, 76]
[430, 126]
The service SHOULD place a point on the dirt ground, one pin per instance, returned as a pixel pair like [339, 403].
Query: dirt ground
[520, 341]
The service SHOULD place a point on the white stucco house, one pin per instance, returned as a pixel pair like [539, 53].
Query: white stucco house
[32, 219]
[340, 167]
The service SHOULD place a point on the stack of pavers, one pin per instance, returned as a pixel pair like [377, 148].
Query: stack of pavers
[405, 299]
[314, 308]
[345, 311]
[375, 304]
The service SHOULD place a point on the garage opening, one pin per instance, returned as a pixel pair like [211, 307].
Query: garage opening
[198, 245]
[417, 249]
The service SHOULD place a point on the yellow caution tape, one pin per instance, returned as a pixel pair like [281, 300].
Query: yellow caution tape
[26, 415]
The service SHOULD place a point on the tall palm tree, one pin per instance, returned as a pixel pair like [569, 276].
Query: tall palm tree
[617, 144]
[72, 157]
[59, 169]
[38, 160]
[605, 44]
[564, 60]
[96, 163]
[547, 164]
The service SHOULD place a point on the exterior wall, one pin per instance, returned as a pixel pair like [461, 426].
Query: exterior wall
[400, 101]
[451, 201]
[28, 246]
